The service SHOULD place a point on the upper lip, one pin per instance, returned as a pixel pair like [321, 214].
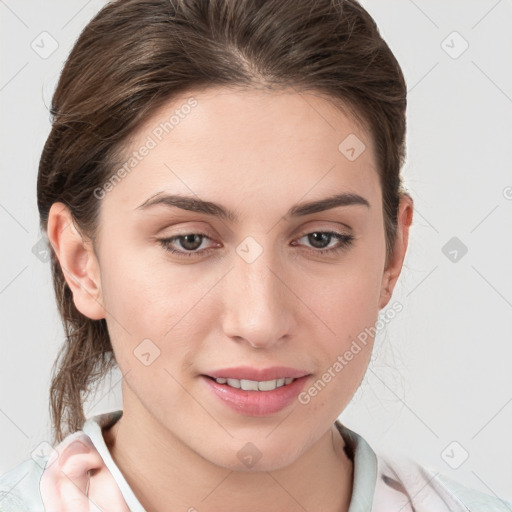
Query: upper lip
[258, 374]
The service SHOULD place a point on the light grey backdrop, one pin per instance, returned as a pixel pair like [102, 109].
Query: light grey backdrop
[440, 387]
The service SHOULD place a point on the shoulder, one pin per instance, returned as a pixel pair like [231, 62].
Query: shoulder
[19, 487]
[474, 500]
[417, 487]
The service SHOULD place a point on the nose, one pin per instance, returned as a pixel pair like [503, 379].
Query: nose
[258, 304]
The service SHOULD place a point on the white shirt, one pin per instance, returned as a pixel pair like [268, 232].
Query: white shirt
[380, 484]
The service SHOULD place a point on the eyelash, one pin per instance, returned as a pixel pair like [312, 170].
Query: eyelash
[344, 240]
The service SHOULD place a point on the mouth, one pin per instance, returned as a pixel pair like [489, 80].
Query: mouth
[256, 392]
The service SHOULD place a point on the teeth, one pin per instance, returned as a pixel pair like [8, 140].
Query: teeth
[234, 383]
[254, 385]
[249, 385]
[267, 385]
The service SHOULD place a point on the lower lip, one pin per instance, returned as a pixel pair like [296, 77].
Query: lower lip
[256, 403]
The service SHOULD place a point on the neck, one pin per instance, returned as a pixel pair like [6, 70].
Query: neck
[164, 474]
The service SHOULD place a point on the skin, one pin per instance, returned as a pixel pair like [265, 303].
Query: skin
[257, 153]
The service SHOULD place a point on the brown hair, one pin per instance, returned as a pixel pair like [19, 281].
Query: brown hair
[136, 55]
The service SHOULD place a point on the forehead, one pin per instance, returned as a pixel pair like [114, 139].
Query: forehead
[247, 145]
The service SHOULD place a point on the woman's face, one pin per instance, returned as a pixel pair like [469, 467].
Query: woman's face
[267, 282]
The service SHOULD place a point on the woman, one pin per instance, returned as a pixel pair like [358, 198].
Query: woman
[221, 191]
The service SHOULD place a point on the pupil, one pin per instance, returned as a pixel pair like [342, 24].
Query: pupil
[314, 239]
[187, 242]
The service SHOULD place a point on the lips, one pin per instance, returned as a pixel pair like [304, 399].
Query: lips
[256, 392]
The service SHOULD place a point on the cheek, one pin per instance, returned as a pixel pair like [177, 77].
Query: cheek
[343, 367]
[350, 301]
[146, 301]
[139, 293]
[131, 292]
[348, 306]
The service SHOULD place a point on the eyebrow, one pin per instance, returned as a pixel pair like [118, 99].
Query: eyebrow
[209, 208]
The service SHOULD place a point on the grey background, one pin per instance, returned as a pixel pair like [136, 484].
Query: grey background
[439, 388]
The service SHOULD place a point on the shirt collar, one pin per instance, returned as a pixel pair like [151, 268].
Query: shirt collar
[365, 469]
[93, 428]
[363, 458]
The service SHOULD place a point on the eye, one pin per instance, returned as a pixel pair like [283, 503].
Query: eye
[320, 241]
[190, 243]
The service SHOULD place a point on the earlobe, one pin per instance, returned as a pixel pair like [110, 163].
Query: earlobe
[394, 266]
[77, 261]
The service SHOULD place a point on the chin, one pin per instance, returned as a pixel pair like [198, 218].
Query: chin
[248, 457]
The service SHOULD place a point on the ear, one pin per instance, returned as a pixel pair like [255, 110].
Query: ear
[396, 259]
[77, 260]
